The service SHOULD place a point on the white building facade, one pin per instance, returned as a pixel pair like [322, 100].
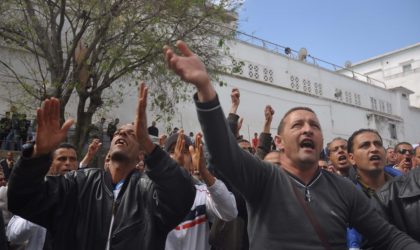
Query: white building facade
[394, 69]
[269, 77]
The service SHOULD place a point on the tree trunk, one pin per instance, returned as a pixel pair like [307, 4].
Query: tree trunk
[84, 120]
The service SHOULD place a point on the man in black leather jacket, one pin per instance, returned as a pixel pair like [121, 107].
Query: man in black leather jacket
[400, 201]
[97, 209]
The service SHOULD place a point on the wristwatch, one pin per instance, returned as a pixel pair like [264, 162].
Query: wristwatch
[27, 150]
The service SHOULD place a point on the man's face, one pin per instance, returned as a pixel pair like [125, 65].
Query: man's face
[323, 164]
[405, 154]
[417, 157]
[9, 156]
[338, 154]
[301, 139]
[368, 152]
[124, 145]
[64, 160]
[390, 156]
[273, 157]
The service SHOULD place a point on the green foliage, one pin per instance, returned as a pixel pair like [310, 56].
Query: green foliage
[109, 40]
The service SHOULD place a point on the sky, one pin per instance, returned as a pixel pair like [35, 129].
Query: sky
[334, 30]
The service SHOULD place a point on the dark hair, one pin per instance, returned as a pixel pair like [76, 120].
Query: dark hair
[241, 140]
[401, 143]
[65, 145]
[358, 132]
[281, 125]
[333, 140]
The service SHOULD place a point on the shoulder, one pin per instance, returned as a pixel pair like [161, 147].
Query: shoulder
[404, 186]
[341, 183]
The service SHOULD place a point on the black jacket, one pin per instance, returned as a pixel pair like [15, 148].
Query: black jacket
[77, 208]
[400, 201]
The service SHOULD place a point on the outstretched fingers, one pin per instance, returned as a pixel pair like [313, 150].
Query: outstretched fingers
[67, 125]
[182, 46]
[141, 120]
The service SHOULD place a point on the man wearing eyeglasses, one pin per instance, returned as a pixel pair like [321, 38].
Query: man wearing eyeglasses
[404, 153]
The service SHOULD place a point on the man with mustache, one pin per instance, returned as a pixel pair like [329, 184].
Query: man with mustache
[404, 156]
[367, 154]
[338, 155]
[293, 194]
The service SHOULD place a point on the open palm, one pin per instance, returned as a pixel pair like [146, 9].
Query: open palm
[50, 133]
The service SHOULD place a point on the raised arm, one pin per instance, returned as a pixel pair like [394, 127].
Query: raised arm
[241, 169]
[92, 150]
[264, 142]
[49, 132]
[191, 69]
[233, 117]
[173, 192]
[29, 195]
[221, 202]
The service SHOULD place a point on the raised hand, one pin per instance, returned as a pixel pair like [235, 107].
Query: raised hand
[92, 150]
[140, 123]
[268, 113]
[49, 132]
[94, 147]
[235, 98]
[199, 162]
[191, 69]
[179, 149]
[241, 120]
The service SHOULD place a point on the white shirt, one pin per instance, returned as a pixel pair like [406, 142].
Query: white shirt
[210, 202]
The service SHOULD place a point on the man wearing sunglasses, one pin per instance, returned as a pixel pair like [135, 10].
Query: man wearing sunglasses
[404, 153]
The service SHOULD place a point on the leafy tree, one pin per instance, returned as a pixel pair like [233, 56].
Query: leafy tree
[86, 48]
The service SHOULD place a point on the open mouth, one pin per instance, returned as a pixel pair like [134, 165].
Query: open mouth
[120, 142]
[307, 143]
[375, 158]
[407, 160]
[342, 158]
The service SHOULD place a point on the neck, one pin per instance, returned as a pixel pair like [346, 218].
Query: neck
[343, 172]
[374, 179]
[305, 172]
[119, 171]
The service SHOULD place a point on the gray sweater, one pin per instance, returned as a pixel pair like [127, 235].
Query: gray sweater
[276, 220]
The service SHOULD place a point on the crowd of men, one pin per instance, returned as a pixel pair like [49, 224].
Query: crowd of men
[15, 130]
[279, 191]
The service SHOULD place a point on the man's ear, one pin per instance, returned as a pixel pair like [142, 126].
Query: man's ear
[278, 141]
[351, 159]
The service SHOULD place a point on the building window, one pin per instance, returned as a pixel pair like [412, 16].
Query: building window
[348, 97]
[388, 108]
[294, 82]
[318, 88]
[357, 99]
[393, 131]
[373, 103]
[382, 106]
[268, 75]
[406, 68]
